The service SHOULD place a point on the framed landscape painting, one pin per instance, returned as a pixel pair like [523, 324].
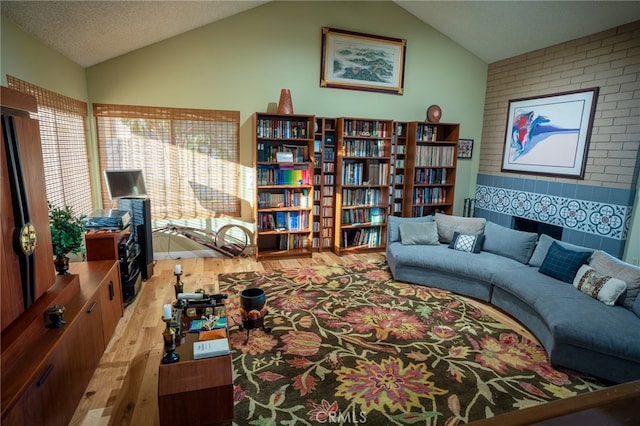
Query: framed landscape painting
[360, 61]
[549, 135]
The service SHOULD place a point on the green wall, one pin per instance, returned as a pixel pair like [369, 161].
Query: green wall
[242, 62]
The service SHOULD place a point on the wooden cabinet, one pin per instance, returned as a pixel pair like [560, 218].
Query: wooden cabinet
[324, 183]
[24, 277]
[283, 146]
[430, 168]
[363, 148]
[103, 245]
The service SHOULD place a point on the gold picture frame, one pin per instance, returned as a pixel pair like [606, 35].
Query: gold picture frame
[358, 61]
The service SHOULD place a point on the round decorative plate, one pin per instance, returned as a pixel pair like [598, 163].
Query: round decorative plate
[434, 113]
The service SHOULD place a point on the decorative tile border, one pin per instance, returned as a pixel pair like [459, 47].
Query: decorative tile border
[602, 219]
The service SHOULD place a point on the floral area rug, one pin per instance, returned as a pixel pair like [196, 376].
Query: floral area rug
[349, 345]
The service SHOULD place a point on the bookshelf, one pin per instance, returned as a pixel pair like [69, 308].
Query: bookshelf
[398, 158]
[283, 147]
[324, 184]
[362, 176]
[430, 168]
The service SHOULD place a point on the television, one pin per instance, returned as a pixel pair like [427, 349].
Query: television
[125, 183]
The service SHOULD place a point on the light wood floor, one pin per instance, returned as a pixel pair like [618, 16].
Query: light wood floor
[123, 390]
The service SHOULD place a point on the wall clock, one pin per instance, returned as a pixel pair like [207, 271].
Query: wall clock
[434, 113]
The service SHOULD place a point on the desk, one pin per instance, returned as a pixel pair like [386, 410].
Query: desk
[195, 392]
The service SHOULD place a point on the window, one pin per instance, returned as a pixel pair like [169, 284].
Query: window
[64, 146]
[189, 157]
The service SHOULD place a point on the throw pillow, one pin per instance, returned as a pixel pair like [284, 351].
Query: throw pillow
[507, 242]
[563, 264]
[393, 222]
[544, 242]
[630, 274]
[424, 233]
[602, 287]
[447, 225]
[468, 243]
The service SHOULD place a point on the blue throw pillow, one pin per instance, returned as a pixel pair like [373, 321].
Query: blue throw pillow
[562, 263]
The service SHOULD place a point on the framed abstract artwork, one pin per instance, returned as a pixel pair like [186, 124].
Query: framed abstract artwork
[549, 135]
[358, 61]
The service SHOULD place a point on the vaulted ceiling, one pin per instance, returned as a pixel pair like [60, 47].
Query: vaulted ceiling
[90, 32]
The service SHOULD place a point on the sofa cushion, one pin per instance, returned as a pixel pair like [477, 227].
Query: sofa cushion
[517, 245]
[447, 225]
[562, 263]
[542, 247]
[468, 243]
[599, 286]
[630, 274]
[636, 307]
[393, 222]
[418, 233]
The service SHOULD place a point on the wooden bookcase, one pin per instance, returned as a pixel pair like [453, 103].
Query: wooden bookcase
[283, 150]
[430, 168]
[324, 184]
[398, 158]
[362, 176]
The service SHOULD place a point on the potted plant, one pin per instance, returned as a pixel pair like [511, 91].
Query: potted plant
[67, 232]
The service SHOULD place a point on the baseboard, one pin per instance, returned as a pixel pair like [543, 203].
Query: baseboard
[192, 254]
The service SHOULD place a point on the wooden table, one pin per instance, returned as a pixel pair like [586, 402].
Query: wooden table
[195, 392]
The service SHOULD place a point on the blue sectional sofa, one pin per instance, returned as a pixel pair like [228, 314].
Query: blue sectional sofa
[574, 324]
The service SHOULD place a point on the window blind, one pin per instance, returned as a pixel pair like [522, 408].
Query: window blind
[64, 146]
[189, 157]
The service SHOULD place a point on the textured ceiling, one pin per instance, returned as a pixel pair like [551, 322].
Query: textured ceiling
[90, 32]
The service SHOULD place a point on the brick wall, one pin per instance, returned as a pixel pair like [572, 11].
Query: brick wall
[593, 212]
[609, 60]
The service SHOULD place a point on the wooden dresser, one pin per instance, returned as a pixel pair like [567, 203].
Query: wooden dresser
[44, 371]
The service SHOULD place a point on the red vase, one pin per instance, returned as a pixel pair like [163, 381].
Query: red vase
[285, 106]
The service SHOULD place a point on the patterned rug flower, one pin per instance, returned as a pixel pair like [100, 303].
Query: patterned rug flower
[350, 346]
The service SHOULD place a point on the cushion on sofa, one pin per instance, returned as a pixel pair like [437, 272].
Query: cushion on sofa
[507, 242]
[468, 243]
[636, 307]
[393, 223]
[447, 225]
[544, 242]
[424, 233]
[562, 263]
[599, 286]
[606, 264]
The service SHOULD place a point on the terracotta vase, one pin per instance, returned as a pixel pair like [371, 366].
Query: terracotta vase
[285, 106]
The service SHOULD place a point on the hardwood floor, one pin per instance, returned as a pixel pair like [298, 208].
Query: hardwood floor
[123, 390]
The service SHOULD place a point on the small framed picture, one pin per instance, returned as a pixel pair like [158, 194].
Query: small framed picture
[465, 148]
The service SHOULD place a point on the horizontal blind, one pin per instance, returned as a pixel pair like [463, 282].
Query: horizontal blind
[189, 157]
[64, 146]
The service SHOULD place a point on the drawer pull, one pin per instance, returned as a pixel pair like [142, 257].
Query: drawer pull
[111, 291]
[93, 306]
[45, 375]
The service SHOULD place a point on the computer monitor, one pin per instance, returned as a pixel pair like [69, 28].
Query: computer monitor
[125, 183]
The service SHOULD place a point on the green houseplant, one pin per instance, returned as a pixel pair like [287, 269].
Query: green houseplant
[67, 232]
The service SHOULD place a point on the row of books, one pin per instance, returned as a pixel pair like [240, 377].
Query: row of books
[353, 173]
[268, 152]
[430, 176]
[292, 241]
[287, 198]
[374, 216]
[326, 242]
[365, 128]
[434, 156]
[282, 129]
[362, 197]
[429, 195]
[426, 133]
[283, 174]
[370, 237]
[283, 221]
[328, 167]
[363, 148]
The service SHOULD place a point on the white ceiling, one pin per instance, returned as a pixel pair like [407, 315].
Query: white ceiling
[90, 32]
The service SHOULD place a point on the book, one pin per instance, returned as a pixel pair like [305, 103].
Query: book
[210, 348]
[212, 334]
[197, 325]
[221, 323]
